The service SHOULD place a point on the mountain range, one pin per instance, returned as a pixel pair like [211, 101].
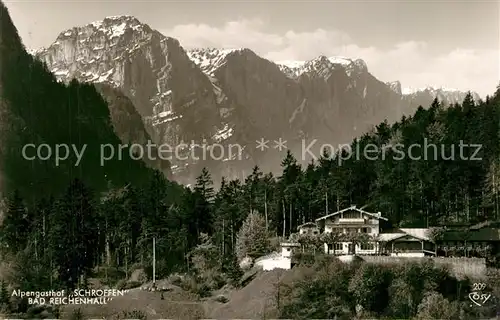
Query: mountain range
[226, 96]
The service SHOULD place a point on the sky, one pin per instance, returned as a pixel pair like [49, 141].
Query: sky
[453, 44]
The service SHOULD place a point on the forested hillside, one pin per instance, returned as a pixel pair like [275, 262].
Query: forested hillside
[408, 192]
[36, 109]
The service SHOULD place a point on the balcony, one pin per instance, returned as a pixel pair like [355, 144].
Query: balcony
[352, 221]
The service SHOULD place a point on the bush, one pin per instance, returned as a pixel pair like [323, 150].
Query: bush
[133, 314]
[306, 258]
[140, 275]
[176, 279]
[203, 290]
[109, 275]
[195, 285]
[221, 298]
[125, 285]
[332, 289]
[162, 269]
[369, 287]
[435, 306]
[76, 314]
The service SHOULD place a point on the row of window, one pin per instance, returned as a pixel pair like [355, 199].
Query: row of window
[351, 230]
[352, 215]
[363, 246]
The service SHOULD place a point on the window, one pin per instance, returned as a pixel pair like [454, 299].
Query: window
[288, 249]
[367, 246]
[338, 246]
[351, 215]
[315, 232]
[365, 230]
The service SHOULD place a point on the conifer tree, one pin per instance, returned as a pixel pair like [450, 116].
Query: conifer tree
[15, 226]
[73, 235]
[253, 239]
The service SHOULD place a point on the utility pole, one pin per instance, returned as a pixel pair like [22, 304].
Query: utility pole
[284, 218]
[265, 209]
[154, 262]
[326, 202]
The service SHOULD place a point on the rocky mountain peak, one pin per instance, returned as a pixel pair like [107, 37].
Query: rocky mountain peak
[224, 95]
[211, 59]
[99, 51]
[395, 86]
[450, 95]
[110, 27]
[322, 66]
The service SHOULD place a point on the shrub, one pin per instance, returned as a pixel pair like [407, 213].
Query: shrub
[133, 314]
[369, 287]
[435, 306]
[77, 314]
[305, 258]
[175, 279]
[124, 285]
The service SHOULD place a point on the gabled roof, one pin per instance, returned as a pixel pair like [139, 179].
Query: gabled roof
[386, 237]
[375, 215]
[417, 233]
[308, 224]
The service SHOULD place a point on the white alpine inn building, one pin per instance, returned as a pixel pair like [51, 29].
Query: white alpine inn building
[403, 242]
[352, 220]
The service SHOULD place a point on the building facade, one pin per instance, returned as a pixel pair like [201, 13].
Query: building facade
[310, 228]
[409, 242]
[348, 221]
[379, 238]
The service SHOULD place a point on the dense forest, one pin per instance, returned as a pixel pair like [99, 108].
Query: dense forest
[81, 228]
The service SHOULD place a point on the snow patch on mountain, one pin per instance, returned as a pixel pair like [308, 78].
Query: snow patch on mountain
[411, 90]
[395, 86]
[223, 134]
[322, 66]
[210, 59]
[89, 53]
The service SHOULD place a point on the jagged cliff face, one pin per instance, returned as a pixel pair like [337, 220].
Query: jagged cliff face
[174, 97]
[416, 97]
[228, 96]
[35, 109]
[151, 69]
[129, 126]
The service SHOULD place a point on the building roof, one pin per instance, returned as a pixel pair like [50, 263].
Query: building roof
[375, 215]
[290, 244]
[418, 233]
[485, 224]
[308, 224]
[485, 234]
[386, 237]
